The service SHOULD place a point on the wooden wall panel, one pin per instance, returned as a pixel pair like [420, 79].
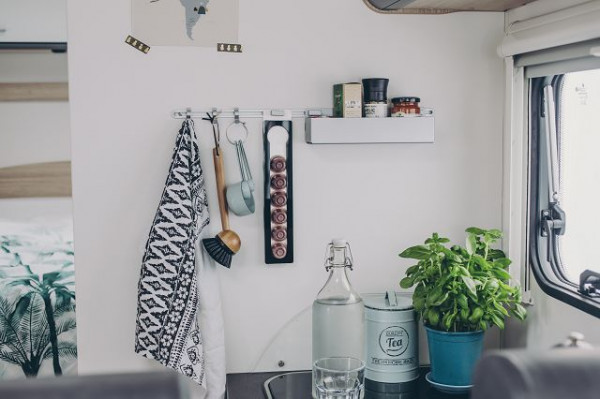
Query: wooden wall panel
[34, 92]
[51, 179]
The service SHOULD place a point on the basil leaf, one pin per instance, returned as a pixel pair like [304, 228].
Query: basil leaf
[420, 252]
[406, 282]
[501, 274]
[475, 231]
[470, 284]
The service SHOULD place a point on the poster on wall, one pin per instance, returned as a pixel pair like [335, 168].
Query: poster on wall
[38, 334]
[201, 23]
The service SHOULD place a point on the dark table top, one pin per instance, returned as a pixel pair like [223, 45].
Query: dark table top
[250, 386]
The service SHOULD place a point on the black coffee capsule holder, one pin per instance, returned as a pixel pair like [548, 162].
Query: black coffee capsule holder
[278, 191]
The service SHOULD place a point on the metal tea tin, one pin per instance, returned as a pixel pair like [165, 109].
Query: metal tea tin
[392, 348]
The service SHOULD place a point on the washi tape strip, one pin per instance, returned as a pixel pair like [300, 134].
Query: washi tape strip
[136, 44]
[229, 48]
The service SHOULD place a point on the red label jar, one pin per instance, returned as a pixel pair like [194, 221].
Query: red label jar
[406, 106]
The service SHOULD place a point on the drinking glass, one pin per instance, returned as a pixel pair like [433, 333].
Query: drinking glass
[339, 378]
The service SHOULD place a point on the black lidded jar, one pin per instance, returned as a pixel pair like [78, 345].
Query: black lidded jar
[375, 97]
[375, 89]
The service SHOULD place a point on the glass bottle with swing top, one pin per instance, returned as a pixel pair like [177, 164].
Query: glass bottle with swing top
[337, 312]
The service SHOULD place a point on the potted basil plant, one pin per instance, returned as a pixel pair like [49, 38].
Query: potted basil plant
[459, 293]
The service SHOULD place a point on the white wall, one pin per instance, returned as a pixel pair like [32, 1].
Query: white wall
[382, 198]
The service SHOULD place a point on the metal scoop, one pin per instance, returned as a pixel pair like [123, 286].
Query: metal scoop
[240, 197]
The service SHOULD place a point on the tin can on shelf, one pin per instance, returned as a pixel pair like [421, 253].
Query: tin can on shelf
[392, 348]
[347, 102]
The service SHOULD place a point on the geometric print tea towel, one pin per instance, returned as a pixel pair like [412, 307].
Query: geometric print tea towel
[167, 327]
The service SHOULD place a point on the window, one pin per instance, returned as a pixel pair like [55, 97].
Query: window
[579, 167]
[564, 186]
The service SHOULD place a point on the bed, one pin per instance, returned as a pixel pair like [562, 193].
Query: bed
[37, 294]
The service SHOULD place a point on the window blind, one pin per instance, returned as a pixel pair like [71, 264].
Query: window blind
[558, 60]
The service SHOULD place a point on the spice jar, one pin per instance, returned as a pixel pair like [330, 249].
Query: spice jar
[375, 97]
[406, 106]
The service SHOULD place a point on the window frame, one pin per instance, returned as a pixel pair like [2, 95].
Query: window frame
[547, 272]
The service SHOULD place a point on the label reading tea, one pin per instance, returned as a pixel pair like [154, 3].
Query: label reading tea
[393, 341]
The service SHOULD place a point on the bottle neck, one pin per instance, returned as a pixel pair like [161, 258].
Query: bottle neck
[338, 257]
[338, 290]
[339, 276]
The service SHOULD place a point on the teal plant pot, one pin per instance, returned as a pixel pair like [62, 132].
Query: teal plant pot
[453, 355]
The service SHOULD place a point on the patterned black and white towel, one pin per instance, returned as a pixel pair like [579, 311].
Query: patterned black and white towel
[167, 327]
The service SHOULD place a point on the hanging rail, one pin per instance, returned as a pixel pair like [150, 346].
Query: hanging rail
[250, 113]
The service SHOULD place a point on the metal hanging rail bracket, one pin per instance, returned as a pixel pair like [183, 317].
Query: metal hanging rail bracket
[251, 113]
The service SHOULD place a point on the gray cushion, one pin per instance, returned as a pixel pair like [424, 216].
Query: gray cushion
[553, 374]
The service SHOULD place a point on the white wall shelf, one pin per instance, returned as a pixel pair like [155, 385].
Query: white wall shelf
[418, 129]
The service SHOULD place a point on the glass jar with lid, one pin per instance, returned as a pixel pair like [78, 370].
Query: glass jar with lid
[406, 106]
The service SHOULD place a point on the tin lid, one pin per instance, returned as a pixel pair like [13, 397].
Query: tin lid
[389, 301]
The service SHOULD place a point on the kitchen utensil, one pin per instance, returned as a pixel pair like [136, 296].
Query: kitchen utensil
[240, 197]
[339, 378]
[227, 243]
